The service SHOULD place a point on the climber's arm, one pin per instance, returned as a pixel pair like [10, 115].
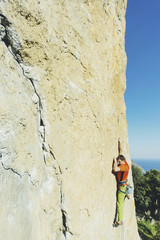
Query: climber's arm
[115, 167]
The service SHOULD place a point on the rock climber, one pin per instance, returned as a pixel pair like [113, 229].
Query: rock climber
[121, 170]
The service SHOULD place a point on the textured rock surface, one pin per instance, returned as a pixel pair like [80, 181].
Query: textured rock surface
[62, 84]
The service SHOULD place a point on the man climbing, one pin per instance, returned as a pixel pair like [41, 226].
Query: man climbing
[121, 170]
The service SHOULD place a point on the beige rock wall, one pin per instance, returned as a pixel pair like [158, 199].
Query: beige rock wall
[62, 84]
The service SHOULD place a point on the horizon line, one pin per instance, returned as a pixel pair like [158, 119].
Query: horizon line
[145, 159]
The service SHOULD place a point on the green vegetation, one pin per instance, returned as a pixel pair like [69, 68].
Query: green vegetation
[147, 200]
[149, 231]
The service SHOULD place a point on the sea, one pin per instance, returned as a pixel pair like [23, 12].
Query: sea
[148, 164]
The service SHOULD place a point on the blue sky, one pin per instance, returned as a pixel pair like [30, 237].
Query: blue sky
[142, 95]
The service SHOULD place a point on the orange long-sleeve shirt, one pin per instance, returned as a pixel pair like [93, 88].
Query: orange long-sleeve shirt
[122, 175]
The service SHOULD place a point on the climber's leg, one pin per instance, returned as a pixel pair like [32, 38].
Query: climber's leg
[120, 202]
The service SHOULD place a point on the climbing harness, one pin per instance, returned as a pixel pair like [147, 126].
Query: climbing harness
[122, 182]
[128, 190]
[128, 187]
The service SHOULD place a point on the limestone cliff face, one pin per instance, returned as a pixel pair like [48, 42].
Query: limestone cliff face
[62, 113]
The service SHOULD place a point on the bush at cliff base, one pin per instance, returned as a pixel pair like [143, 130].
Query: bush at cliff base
[147, 200]
[149, 231]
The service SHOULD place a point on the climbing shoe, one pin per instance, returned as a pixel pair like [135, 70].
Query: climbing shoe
[117, 224]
